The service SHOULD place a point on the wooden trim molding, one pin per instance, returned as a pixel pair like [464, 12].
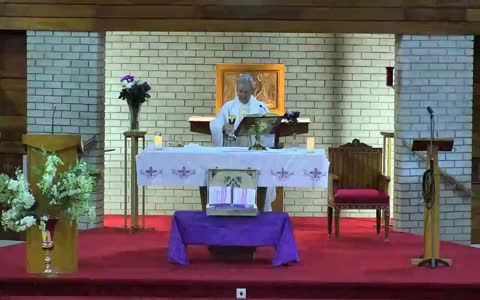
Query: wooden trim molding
[323, 16]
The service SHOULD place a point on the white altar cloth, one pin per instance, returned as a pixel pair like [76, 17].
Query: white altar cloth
[188, 166]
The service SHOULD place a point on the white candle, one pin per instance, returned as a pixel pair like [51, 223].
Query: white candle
[158, 142]
[310, 144]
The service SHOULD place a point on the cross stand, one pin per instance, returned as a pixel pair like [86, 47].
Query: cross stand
[431, 191]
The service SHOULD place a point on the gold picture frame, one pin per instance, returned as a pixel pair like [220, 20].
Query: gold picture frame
[269, 84]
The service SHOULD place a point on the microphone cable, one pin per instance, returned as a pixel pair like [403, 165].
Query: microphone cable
[428, 181]
[428, 186]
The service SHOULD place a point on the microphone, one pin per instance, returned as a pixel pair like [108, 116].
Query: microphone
[53, 116]
[266, 111]
[430, 110]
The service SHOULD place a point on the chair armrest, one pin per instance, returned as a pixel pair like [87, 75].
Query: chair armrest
[333, 177]
[383, 182]
[332, 185]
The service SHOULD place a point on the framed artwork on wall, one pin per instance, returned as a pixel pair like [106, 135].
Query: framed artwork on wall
[269, 84]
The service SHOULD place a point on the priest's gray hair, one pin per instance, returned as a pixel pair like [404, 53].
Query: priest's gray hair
[245, 79]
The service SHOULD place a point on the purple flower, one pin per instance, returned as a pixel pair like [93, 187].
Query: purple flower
[146, 87]
[291, 116]
[129, 78]
[135, 92]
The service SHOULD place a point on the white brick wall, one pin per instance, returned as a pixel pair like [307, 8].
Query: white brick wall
[338, 81]
[433, 71]
[66, 69]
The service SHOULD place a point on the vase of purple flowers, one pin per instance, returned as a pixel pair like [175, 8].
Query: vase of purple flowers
[292, 120]
[136, 93]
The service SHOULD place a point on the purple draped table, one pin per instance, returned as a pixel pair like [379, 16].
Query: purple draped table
[267, 229]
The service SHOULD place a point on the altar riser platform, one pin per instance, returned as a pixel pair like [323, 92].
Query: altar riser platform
[359, 265]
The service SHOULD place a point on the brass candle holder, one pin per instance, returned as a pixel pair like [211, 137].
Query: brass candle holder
[48, 245]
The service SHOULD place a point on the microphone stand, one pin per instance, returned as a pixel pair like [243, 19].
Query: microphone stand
[53, 117]
[430, 190]
[263, 108]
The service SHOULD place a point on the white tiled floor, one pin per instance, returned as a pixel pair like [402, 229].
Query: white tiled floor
[476, 245]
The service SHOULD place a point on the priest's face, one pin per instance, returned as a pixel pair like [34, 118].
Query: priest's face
[244, 92]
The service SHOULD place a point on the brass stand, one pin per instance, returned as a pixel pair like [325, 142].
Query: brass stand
[134, 136]
[388, 136]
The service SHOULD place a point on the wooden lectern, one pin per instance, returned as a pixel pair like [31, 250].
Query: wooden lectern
[431, 256]
[64, 255]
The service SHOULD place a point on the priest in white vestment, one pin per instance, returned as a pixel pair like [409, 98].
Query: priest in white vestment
[244, 104]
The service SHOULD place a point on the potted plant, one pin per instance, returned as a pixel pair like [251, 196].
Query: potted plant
[291, 118]
[69, 192]
[66, 195]
[19, 204]
[136, 93]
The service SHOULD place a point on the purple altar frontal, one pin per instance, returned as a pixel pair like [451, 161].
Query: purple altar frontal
[266, 229]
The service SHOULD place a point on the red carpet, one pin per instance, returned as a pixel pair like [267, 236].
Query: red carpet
[357, 266]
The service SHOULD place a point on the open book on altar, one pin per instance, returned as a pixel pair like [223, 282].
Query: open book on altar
[232, 192]
[266, 124]
[227, 195]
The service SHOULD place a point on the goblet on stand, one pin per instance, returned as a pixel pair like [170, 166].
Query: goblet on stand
[48, 245]
[257, 145]
[231, 131]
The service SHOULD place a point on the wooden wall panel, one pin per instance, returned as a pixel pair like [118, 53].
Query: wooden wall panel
[475, 235]
[13, 95]
[10, 90]
[382, 16]
[80, 24]
[13, 106]
[317, 3]
[48, 10]
[476, 99]
[476, 144]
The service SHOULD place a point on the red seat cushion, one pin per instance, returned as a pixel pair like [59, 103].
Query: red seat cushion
[360, 196]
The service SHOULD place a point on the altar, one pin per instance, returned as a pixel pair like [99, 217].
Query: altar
[201, 124]
[267, 229]
[189, 165]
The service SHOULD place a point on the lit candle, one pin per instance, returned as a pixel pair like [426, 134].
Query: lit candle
[158, 142]
[310, 144]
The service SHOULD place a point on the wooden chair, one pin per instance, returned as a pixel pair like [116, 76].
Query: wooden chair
[356, 182]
